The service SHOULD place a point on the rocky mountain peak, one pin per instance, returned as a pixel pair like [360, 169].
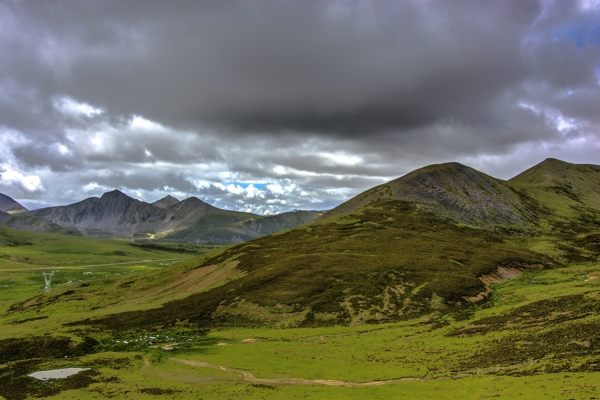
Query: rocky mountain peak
[114, 194]
[166, 202]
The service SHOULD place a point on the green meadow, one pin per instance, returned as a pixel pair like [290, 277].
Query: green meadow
[420, 358]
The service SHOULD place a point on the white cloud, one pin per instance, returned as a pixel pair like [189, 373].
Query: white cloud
[70, 106]
[138, 123]
[91, 186]
[340, 158]
[235, 189]
[275, 189]
[29, 183]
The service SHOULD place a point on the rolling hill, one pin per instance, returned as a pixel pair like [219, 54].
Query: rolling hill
[452, 191]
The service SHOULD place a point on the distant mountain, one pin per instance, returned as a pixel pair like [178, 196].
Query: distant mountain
[9, 205]
[166, 202]
[190, 220]
[13, 215]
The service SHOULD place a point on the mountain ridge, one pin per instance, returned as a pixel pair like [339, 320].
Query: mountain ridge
[468, 196]
[166, 202]
[191, 220]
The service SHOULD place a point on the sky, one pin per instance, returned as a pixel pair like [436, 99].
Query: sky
[269, 106]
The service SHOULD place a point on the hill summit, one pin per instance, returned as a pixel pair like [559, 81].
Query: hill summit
[450, 190]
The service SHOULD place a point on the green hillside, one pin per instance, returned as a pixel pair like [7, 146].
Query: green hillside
[570, 192]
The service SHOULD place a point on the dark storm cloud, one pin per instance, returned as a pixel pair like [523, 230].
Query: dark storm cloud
[338, 68]
[323, 67]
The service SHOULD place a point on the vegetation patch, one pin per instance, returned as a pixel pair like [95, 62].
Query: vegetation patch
[158, 391]
[13, 349]
[536, 314]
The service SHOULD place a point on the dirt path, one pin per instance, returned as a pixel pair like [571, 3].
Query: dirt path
[90, 266]
[249, 377]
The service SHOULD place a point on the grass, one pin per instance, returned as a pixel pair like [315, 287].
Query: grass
[22, 249]
[431, 360]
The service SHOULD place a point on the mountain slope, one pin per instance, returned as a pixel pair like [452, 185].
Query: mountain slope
[383, 263]
[34, 224]
[569, 190]
[9, 205]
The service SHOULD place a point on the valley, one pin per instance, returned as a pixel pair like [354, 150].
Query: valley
[445, 283]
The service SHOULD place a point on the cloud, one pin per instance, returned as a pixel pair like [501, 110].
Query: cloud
[28, 183]
[68, 106]
[237, 100]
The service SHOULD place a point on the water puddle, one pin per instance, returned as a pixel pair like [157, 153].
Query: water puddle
[56, 373]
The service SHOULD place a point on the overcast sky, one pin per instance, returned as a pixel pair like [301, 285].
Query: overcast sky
[268, 106]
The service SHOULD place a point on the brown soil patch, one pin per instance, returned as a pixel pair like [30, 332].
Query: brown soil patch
[500, 275]
[189, 282]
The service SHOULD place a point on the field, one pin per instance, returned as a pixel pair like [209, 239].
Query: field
[485, 356]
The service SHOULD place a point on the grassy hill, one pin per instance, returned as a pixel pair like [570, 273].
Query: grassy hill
[384, 263]
[452, 191]
[570, 192]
